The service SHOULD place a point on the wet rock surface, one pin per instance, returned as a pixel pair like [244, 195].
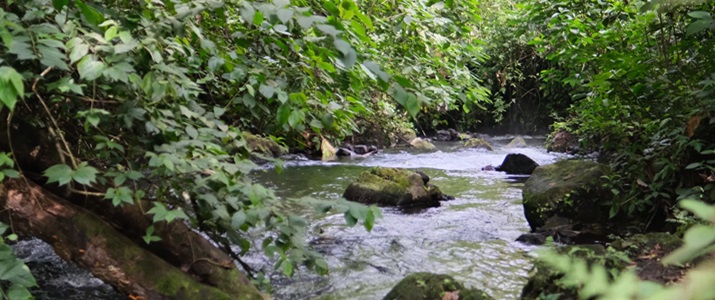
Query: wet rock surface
[433, 286]
[394, 187]
[572, 189]
[517, 164]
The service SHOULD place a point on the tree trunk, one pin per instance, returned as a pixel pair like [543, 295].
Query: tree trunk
[80, 236]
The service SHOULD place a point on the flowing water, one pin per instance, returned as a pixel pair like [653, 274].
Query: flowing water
[470, 238]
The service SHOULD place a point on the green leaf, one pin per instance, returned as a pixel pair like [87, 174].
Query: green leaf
[287, 268]
[296, 118]
[62, 174]
[11, 173]
[11, 87]
[266, 91]
[315, 123]
[238, 219]
[78, 51]
[699, 14]
[59, 4]
[412, 105]
[349, 56]
[698, 26]
[111, 33]
[350, 220]
[258, 18]
[369, 220]
[284, 112]
[90, 14]
[89, 68]
[120, 196]
[699, 208]
[375, 69]
[284, 15]
[85, 174]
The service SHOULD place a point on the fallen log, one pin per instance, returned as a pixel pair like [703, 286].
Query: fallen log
[80, 236]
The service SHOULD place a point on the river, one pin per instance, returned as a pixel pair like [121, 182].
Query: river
[470, 237]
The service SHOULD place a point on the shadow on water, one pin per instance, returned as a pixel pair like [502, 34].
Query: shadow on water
[470, 237]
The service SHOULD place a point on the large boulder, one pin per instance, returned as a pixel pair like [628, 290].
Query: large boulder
[517, 164]
[572, 189]
[394, 187]
[478, 143]
[421, 144]
[517, 143]
[428, 286]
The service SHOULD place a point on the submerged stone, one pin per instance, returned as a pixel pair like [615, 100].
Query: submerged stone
[428, 286]
[517, 143]
[517, 164]
[478, 143]
[570, 188]
[394, 187]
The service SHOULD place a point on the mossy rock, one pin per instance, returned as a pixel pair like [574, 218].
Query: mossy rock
[517, 143]
[405, 135]
[478, 143]
[570, 188]
[393, 187]
[428, 286]
[264, 146]
[421, 144]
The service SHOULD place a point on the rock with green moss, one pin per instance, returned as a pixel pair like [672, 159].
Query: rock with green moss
[394, 187]
[517, 143]
[421, 144]
[428, 286]
[404, 135]
[570, 188]
[478, 143]
[263, 146]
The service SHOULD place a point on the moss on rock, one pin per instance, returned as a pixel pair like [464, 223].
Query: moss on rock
[570, 188]
[421, 144]
[478, 143]
[428, 286]
[393, 187]
[264, 146]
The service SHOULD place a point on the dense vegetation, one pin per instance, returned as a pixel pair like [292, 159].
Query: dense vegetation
[145, 103]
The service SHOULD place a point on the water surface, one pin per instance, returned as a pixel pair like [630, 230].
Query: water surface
[470, 238]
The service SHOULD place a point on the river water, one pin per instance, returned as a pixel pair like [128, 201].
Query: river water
[470, 238]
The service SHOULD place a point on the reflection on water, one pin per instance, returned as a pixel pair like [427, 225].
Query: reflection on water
[470, 238]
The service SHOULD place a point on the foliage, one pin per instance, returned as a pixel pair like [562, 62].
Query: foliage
[594, 282]
[638, 75]
[15, 276]
[148, 99]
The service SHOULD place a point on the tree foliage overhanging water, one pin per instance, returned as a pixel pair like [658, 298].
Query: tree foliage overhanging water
[134, 108]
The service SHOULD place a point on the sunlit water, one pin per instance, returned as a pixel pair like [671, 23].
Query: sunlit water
[470, 238]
